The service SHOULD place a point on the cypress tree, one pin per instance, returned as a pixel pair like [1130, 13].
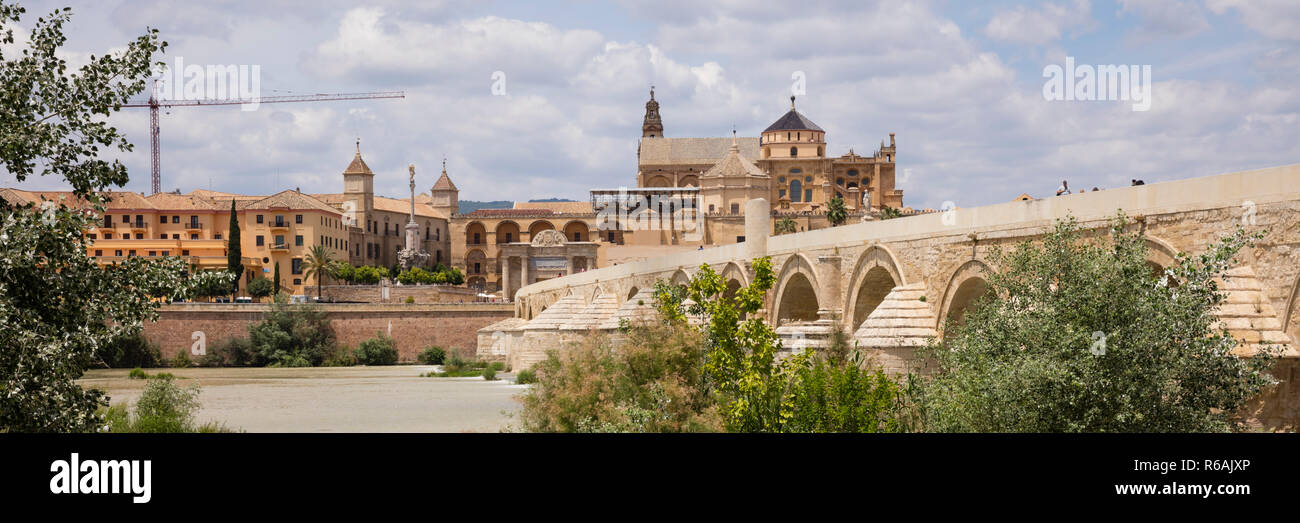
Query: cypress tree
[277, 277]
[234, 259]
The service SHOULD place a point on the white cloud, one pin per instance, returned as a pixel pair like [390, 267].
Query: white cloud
[1042, 25]
[1272, 18]
[1166, 18]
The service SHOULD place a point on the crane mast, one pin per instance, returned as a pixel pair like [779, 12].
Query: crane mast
[155, 145]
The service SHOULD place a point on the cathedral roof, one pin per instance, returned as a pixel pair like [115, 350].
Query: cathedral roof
[708, 151]
[289, 199]
[733, 165]
[793, 121]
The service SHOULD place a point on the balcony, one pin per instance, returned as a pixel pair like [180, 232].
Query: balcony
[140, 226]
[280, 247]
[194, 227]
[279, 224]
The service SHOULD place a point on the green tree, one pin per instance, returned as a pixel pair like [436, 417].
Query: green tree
[234, 256]
[318, 264]
[786, 226]
[835, 211]
[259, 288]
[889, 213]
[278, 288]
[1076, 335]
[56, 304]
[292, 336]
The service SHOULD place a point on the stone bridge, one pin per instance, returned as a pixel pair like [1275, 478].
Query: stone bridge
[892, 283]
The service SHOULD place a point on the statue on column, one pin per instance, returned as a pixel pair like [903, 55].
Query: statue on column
[412, 255]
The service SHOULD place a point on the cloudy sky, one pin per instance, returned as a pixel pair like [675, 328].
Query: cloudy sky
[960, 84]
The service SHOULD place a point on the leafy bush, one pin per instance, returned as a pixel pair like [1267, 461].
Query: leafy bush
[138, 374]
[432, 356]
[490, 374]
[182, 359]
[1076, 335]
[163, 407]
[231, 352]
[454, 363]
[260, 288]
[379, 350]
[291, 336]
[498, 366]
[341, 357]
[525, 377]
[129, 350]
[410, 299]
[651, 383]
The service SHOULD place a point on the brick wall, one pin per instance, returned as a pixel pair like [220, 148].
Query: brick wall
[413, 327]
[397, 293]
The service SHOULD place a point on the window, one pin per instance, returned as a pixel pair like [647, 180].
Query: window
[167, 253]
[176, 236]
[139, 236]
[216, 236]
[118, 253]
[99, 252]
[153, 253]
[839, 181]
[740, 239]
[796, 170]
[259, 218]
[476, 239]
[260, 241]
[108, 236]
[780, 179]
[711, 208]
[297, 265]
[297, 218]
[131, 252]
[577, 236]
[853, 172]
[439, 260]
[297, 240]
[807, 195]
[194, 236]
[176, 219]
[297, 281]
[796, 191]
[92, 236]
[794, 151]
[735, 208]
[611, 236]
[279, 220]
[126, 218]
[108, 222]
[478, 267]
[510, 237]
[185, 252]
[162, 219]
[162, 236]
[194, 222]
[807, 179]
[279, 240]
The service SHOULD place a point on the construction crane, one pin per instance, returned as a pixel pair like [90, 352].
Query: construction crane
[153, 104]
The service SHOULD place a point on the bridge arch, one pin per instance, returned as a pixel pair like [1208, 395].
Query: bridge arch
[1291, 318]
[796, 296]
[967, 284]
[735, 278]
[875, 274]
[1161, 255]
[680, 277]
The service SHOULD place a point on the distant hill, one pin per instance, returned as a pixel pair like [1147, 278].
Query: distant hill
[469, 206]
[552, 200]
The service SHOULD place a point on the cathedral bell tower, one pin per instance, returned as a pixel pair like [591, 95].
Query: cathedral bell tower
[652, 127]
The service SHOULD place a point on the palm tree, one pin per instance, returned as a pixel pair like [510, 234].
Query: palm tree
[786, 226]
[835, 211]
[317, 264]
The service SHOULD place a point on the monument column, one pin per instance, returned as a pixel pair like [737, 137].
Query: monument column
[523, 270]
[505, 277]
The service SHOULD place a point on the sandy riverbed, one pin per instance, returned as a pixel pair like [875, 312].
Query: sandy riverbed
[335, 399]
